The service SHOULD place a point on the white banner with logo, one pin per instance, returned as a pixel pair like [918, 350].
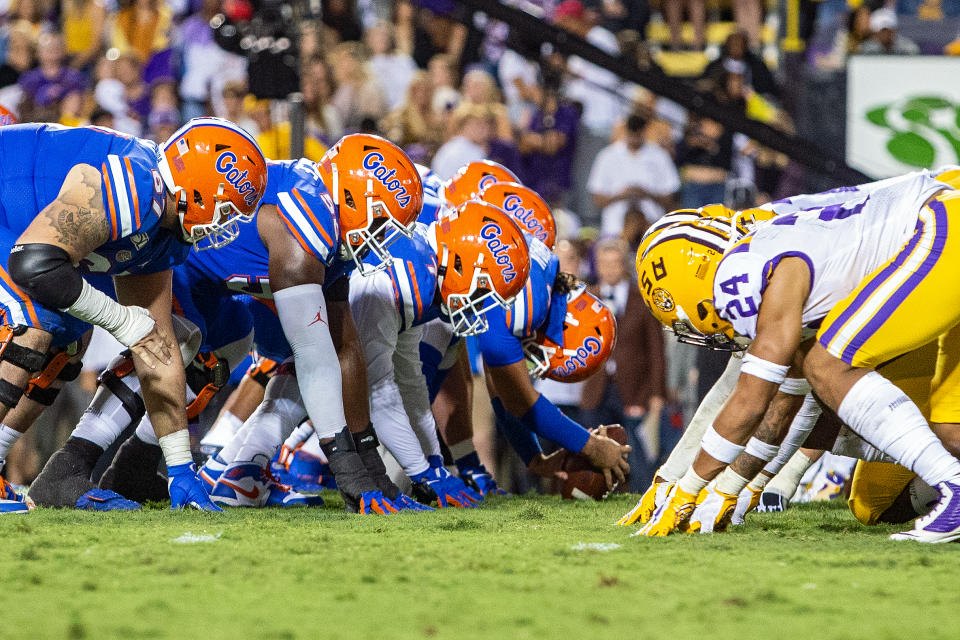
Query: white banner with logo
[903, 113]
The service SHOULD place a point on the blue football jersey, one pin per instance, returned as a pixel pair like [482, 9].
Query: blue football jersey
[295, 188]
[502, 343]
[36, 159]
[413, 273]
[433, 198]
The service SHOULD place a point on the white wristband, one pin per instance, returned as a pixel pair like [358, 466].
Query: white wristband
[760, 449]
[764, 369]
[128, 325]
[176, 448]
[719, 447]
[795, 387]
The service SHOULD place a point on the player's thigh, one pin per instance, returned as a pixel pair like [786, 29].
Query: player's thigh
[945, 387]
[874, 488]
[908, 301]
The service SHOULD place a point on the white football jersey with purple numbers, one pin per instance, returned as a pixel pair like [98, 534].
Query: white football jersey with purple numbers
[843, 235]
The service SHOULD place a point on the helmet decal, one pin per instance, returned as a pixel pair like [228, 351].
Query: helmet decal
[491, 233]
[226, 165]
[374, 161]
[513, 204]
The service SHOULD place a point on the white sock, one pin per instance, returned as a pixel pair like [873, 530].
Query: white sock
[273, 421]
[105, 419]
[300, 434]
[786, 482]
[229, 452]
[759, 482]
[691, 482]
[312, 446]
[730, 482]
[884, 416]
[686, 450]
[222, 430]
[800, 428]
[8, 438]
[145, 431]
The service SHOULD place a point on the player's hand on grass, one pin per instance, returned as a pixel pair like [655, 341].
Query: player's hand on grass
[713, 513]
[655, 495]
[447, 490]
[747, 501]
[479, 479]
[376, 502]
[608, 456]
[186, 489]
[670, 515]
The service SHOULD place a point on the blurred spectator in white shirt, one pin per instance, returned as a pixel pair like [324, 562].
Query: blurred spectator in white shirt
[392, 67]
[632, 173]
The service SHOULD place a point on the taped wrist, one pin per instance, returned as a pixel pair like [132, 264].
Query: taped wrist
[523, 441]
[795, 387]
[46, 274]
[547, 421]
[762, 450]
[128, 325]
[764, 369]
[719, 447]
[347, 467]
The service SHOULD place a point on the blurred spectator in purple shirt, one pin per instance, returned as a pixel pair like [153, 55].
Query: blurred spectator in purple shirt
[45, 86]
[547, 146]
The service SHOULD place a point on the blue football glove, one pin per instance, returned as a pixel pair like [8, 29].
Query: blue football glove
[480, 479]
[186, 489]
[376, 502]
[407, 503]
[448, 489]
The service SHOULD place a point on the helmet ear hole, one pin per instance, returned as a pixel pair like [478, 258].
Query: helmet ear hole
[197, 198]
[457, 265]
[348, 199]
[702, 311]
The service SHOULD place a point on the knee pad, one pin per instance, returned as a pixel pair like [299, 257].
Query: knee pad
[188, 337]
[206, 374]
[262, 370]
[112, 379]
[25, 358]
[59, 366]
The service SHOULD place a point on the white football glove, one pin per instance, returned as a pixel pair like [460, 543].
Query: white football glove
[713, 513]
[746, 502]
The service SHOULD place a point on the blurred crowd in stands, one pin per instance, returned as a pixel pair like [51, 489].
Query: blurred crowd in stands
[451, 86]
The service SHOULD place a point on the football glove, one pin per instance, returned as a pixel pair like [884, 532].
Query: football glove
[746, 502]
[673, 513]
[407, 503]
[376, 502]
[713, 513]
[480, 480]
[187, 490]
[438, 485]
[652, 498]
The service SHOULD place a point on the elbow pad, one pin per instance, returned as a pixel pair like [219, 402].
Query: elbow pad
[45, 273]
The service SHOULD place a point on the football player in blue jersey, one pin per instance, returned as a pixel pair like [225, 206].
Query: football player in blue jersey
[77, 202]
[315, 225]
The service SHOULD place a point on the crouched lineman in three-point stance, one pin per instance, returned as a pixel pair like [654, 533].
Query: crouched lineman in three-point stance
[79, 204]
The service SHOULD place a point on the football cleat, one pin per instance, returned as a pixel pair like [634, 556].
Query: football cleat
[13, 506]
[11, 501]
[105, 500]
[407, 503]
[247, 484]
[481, 481]
[942, 524]
[211, 471]
[652, 498]
[301, 470]
[187, 489]
[772, 502]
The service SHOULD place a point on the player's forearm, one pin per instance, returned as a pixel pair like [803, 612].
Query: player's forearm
[765, 442]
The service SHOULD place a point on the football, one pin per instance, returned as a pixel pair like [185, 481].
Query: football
[583, 483]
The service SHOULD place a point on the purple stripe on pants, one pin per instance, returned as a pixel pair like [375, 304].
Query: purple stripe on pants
[895, 300]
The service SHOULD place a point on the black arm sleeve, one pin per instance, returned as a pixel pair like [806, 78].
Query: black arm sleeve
[45, 273]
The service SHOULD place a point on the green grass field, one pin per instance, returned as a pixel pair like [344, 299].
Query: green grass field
[511, 569]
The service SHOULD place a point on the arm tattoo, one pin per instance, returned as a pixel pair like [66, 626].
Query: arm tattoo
[77, 214]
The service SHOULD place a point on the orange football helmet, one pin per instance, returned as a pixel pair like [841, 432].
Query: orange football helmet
[218, 174]
[589, 334]
[7, 116]
[526, 207]
[474, 177]
[483, 261]
[377, 194]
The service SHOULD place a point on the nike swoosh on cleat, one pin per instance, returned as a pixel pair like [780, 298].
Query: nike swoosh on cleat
[253, 495]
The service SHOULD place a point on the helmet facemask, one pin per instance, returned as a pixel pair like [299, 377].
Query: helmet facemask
[382, 229]
[223, 229]
[538, 357]
[467, 310]
[686, 333]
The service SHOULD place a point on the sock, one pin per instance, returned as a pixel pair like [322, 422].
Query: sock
[786, 482]
[730, 482]
[759, 482]
[145, 431]
[884, 416]
[8, 438]
[691, 482]
[686, 450]
[222, 430]
[312, 446]
[300, 434]
[106, 417]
